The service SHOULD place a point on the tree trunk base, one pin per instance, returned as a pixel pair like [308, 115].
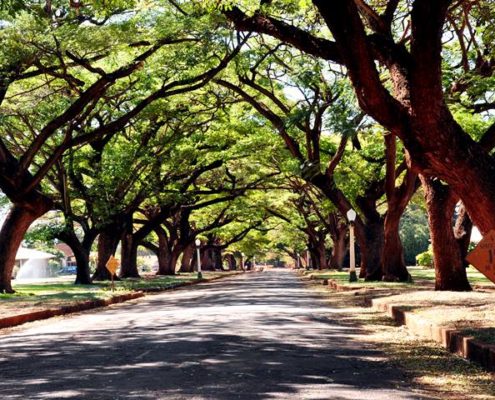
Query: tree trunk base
[83, 281]
[165, 273]
[400, 278]
[104, 277]
[6, 289]
[131, 275]
[459, 284]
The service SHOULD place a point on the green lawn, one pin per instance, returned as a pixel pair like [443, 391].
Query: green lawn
[61, 291]
[418, 274]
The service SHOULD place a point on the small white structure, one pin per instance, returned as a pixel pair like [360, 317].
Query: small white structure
[32, 264]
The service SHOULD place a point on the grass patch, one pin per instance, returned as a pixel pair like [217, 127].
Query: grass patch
[422, 277]
[62, 291]
[473, 313]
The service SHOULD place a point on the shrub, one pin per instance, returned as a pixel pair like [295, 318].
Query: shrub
[425, 259]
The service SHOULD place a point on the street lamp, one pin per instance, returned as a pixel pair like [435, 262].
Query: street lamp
[351, 216]
[198, 244]
[308, 260]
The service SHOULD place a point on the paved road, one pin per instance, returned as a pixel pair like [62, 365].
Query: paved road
[258, 336]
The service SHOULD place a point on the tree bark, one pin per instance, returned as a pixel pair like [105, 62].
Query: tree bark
[217, 258]
[231, 261]
[339, 250]
[167, 262]
[187, 263]
[81, 252]
[19, 219]
[320, 255]
[83, 274]
[450, 272]
[207, 261]
[394, 265]
[107, 245]
[369, 231]
[371, 250]
[128, 256]
[462, 232]
[167, 254]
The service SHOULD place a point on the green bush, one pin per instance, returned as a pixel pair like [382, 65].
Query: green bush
[425, 259]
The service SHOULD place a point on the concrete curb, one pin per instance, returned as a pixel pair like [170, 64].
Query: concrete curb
[19, 319]
[451, 339]
[15, 320]
[190, 283]
[335, 285]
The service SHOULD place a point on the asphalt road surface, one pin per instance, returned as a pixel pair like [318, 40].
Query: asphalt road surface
[256, 336]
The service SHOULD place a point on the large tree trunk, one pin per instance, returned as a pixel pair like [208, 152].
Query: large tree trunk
[318, 255]
[322, 255]
[450, 272]
[462, 231]
[231, 261]
[168, 254]
[81, 253]
[108, 241]
[128, 250]
[207, 260]
[370, 242]
[128, 255]
[83, 275]
[19, 219]
[339, 251]
[187, 263]
[167, 261]
[394, 265]
[217, 258]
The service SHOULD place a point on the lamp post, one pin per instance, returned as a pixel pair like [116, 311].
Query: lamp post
[308, 260]
[351, 216]
[198, 244]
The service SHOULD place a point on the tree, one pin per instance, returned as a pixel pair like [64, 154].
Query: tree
[78, 84]
[304, 126]
[414, 105]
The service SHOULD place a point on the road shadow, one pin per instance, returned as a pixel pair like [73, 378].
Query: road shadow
[261, 337]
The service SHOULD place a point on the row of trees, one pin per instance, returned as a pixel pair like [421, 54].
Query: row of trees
[417, 68]
[152, 126]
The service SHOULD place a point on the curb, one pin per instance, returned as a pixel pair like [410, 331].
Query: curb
[335, 285]
[451, 339]
[19, 319]
[189, 283]
[15, 320]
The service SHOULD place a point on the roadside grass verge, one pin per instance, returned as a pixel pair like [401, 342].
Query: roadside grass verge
[421, 277]
[472, 313]
[432, 371]
[52, 293]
